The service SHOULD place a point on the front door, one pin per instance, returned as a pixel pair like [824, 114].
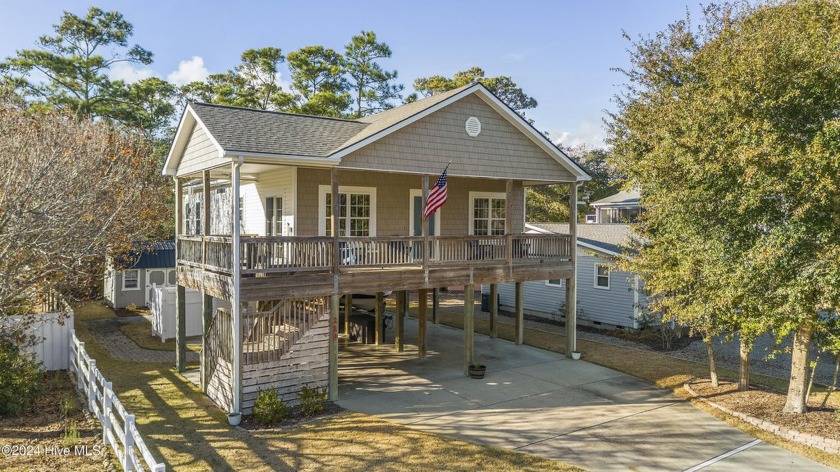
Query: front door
[416, 225]
[417, 216]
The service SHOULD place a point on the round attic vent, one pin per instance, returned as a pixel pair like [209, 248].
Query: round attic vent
[473, 126]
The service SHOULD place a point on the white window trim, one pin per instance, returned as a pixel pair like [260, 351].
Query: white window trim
[323, 190]
[471, 209]
[561, 284]
[609, 273]
[130, 289]
[283, 223]
[416, 192]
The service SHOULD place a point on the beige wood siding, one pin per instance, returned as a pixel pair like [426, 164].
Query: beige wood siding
[426, 146]
[219, 385]
[199, 154]
[307, 364]
[393, 200]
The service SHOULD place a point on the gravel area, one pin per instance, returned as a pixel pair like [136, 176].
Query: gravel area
[762, 358]
[767, 357]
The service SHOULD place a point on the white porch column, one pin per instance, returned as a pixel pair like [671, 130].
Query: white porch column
[236, 303]
[180, 307]
[571, 282]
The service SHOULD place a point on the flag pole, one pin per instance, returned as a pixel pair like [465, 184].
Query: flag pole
[425, 223]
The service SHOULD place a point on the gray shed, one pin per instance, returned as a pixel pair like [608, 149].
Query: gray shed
[129, 280]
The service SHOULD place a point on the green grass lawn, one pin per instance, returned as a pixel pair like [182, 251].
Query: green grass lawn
[141, 334]
[189, 432]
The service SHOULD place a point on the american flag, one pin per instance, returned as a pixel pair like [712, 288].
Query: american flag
[437, 196]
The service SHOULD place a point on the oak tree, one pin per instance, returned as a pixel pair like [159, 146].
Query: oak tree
[731, 133]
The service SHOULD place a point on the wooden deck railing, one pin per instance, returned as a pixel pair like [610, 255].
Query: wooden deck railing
[277, 254]
[267, 335]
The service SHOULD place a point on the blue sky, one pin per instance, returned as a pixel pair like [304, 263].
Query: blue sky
[559, 52]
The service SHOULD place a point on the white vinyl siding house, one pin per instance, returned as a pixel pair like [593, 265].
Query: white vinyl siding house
[606, 296]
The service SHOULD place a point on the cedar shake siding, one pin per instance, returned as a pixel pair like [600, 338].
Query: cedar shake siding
[426, 146]
[393, 200]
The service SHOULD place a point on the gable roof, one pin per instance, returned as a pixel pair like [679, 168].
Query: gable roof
[150, 255]
[606, 238]
[243, 131]
[624, 198]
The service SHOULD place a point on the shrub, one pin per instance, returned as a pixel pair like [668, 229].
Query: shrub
[21, 379]
[269, 408]
[312, 400]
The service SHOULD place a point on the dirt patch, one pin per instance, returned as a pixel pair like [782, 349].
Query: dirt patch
[131, 311]
[55, 435]
[293, 418]
[767, 405]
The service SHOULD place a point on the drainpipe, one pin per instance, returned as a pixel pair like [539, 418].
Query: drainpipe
[236, 305]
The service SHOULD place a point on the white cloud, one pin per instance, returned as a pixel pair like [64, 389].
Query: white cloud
[191, 70]
[129, 73]
[513, 57]
[585, 133]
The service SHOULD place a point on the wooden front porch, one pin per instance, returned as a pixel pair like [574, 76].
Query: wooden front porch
[283, 267]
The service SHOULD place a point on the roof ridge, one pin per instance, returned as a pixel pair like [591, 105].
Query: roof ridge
[436, 96]
[273, 112]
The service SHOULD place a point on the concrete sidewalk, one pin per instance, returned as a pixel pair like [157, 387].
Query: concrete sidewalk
[541, 403]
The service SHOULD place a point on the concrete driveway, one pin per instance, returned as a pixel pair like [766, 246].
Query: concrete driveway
[539, 402]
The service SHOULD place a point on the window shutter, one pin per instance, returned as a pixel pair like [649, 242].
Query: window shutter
[269, 212]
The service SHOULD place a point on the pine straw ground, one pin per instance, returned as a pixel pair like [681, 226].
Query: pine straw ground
[767, 405]
[56, 431]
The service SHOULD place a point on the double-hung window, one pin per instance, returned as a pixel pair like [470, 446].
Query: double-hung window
[602, 276]
[131, 279]
[487, 217]
[356, 211]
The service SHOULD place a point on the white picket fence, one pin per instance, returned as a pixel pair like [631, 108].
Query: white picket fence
[118, 428]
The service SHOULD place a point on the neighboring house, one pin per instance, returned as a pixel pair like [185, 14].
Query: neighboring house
[606, 296]
[304, 210]
[623, 207]
[129, 281]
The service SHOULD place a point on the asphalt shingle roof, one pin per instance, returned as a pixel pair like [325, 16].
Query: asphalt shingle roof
[605, 236]
[626, 197]
[266, 132]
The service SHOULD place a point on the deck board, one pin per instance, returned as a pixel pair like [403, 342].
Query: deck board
[371, 279]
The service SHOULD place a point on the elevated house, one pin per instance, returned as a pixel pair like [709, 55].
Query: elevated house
[606, 296]
[620, 208]
[280, 215]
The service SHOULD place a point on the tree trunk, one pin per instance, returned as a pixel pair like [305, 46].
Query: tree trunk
[796, 400]
[710, 349]
[811, 378]
[833, 386]
[744, 370]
